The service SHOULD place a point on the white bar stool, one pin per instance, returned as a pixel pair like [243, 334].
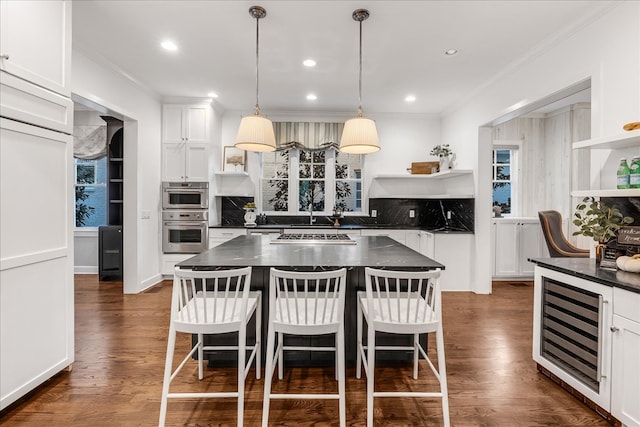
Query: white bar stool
[225, 304]
[401, 302]
[309, 303]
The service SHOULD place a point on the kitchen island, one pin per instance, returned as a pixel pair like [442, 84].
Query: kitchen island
[258, 252]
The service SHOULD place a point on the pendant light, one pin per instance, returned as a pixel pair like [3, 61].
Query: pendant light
[359, 135]
[256, 132]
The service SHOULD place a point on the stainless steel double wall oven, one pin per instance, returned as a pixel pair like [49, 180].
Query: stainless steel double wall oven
[185, 217]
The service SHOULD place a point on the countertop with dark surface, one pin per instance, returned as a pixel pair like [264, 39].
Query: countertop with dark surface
[586, 268]
[324, 227]
[257, 251]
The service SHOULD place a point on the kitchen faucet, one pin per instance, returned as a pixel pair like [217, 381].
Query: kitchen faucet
[311, 218]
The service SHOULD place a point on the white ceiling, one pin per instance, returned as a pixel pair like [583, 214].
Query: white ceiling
[403, 45]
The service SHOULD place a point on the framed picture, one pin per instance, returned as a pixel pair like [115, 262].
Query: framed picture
[233, 159]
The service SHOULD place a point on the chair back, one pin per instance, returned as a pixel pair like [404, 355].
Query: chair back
[205, 298]
[558, 245]
[307, 299]
[403, 297]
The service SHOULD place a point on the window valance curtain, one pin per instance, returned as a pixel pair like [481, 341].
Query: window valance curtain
[89, 141]
[312, 136]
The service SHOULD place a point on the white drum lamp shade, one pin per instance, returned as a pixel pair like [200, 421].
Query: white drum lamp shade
[359, 136]
[256, 134]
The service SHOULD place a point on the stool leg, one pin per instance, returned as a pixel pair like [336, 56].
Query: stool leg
[442, 370]
[341, 375]
[259, 337]
[280, 355]
[371, 357]
[416, 355]
[168, 365]
[359, 340]
[200, 357]
[242, 355]
[268, 375]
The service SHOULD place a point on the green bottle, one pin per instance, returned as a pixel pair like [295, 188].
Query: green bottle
[634, 173]
[623, 174]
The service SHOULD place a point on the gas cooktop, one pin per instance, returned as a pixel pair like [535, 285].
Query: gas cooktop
[313, 238]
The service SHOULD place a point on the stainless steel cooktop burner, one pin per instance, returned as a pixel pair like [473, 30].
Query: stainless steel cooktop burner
[314, 238]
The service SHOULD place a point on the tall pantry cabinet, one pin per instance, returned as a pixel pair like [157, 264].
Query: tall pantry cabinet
[36, 216]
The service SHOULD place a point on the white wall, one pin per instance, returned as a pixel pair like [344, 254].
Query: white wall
[404, 138]
[607, 51]
[141, 112]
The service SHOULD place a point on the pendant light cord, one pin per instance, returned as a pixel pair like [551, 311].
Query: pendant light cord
[257, 107]
[360, 75]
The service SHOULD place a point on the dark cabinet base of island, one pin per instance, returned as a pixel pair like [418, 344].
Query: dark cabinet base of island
[355, 283]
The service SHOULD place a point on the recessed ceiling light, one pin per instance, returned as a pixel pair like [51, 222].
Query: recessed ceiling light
[451, 52]
[312, 97]
[212, 95]
[410, 98]
[169, 45]
[309, 63]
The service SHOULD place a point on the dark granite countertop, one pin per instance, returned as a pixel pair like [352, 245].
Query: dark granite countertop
[256, 251]
[325, 227]
[586, 268]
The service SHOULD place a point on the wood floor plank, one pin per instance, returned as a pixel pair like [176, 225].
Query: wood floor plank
[121, 344]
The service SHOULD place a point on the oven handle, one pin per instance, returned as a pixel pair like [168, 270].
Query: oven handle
[183, 190]
[185, 223]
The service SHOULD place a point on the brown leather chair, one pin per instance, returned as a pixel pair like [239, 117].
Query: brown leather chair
[551, 222]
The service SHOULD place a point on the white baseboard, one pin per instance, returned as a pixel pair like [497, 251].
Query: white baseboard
[85, 269]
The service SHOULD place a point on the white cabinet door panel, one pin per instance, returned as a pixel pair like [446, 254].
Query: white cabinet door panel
[36, 37]
[196, 162]
[173, 162]
[506, 256]
[40, 161]
[172, 124]
[197, 126]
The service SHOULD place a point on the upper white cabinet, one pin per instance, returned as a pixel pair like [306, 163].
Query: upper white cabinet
[628, 142]
[35, 42]
[514, 241]
[35, 47]
[185, 142]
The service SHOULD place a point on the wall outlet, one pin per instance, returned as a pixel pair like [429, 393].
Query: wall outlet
[374, 213]
[448, 214]
[412, 213]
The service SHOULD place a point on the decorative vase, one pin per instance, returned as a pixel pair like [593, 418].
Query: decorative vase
[599, 250]
[444, 163]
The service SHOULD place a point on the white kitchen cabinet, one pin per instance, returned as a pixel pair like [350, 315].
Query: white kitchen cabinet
[185, 142]
[514, 241]
[169, 262]
[218, 236]
[427, 244]
[453, 250]
[412, 239]
[397, 235]
[35, 86]
[35, 42]
[625, 357]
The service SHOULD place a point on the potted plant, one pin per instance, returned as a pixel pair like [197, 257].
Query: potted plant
[600, 222]
[445, 154]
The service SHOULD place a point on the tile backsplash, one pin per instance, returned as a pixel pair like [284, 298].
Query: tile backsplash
[435, 214]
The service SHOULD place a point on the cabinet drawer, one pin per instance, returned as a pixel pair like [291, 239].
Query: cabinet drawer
[226, 233]
[33, 104]
[626, 304]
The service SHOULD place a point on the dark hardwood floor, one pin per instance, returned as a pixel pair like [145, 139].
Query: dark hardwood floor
[121, 343]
